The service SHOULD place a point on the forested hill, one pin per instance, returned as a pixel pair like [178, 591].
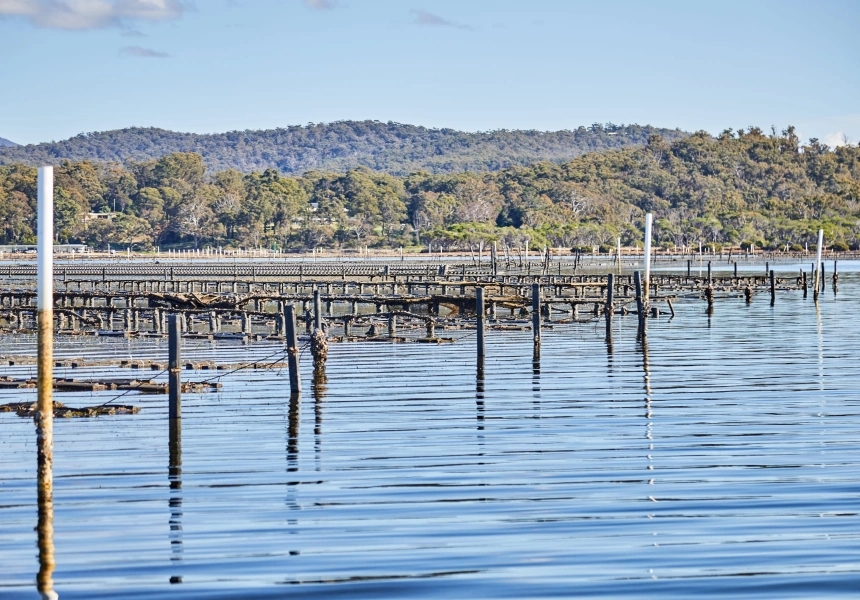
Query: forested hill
[739, 188]
[389, 147]
[7, 143]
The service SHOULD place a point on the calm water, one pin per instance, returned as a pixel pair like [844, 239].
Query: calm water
[723, 458]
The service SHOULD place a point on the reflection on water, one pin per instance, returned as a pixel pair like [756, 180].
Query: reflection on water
[479, 392]
[536, 380]
[293, 422]
[318, 390]
[743, 434]
[45, 528]
[174, 478]
[293, 425]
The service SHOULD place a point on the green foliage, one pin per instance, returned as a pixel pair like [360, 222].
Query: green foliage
[738, 189]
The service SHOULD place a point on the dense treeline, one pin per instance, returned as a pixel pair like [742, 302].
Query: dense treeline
[738, 188]
[389, 147]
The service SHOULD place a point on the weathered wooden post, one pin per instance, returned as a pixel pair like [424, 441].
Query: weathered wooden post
[536, 314]
[640, 305]
[479, 314]
[772, 288]
[174, 367]
[45, 380]
[804, 284]
[317, 310]
[392, 325]
[292, 350]
[495, 258]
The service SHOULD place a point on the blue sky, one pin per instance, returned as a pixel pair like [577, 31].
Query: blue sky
[72, 66]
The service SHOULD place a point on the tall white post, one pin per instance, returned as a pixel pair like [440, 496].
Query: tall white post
[818, 263]
[647, 257]
[618, 254]
[45, 247]
[45, 379]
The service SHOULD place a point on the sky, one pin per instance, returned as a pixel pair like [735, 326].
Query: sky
[205, 66]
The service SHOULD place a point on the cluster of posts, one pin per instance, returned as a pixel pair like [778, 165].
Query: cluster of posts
[318, 346]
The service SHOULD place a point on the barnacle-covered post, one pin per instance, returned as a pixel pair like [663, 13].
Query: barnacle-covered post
[45, 399]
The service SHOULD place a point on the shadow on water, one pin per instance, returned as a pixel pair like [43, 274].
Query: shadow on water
[174, 478]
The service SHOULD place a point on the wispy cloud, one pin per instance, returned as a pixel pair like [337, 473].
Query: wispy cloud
[91, 14]
[837, 138]
[422, 17]
[320, 4]
[132, 33]
[141, 52]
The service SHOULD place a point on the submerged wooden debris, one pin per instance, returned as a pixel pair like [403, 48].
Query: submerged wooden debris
[142, 386]
[61, 411]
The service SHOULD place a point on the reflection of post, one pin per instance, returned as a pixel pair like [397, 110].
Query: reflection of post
[174, 478]
[479, 316]
[536, 378]
[536, 317]
[318, 389]
[293, 432]
[646, 373]
[479, 392]
[45, 534]
[45, 399]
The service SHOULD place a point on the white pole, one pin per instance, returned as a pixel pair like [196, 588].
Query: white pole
[45, 379]
[647, 256]
[618, 254]
[45, 247]
[818, 262]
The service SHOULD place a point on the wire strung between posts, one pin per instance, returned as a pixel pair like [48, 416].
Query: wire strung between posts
[283, 354]
[131, 389]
